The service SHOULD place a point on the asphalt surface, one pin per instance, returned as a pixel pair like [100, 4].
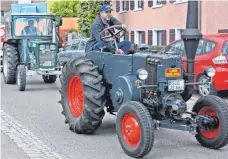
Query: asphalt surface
[10, 149]
[37, 109]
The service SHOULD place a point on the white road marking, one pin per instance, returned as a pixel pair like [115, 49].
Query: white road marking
[24, 139]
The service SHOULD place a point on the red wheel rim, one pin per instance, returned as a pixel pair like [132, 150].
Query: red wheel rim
[130, 130]
[76, 96]
[211, 112]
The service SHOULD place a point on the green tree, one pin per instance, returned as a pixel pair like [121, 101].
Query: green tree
[87, 14]
[65, 8]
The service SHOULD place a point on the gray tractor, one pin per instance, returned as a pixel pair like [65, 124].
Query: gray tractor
[147, 90]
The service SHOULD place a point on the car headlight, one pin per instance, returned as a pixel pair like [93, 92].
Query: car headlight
[42, 47]
[142, 74]
[210, 71]
[52, 47]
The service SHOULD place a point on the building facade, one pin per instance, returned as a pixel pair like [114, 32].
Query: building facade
[159, 22]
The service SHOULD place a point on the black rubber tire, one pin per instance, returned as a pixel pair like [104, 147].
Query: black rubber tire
[49, 78]
[222, 109]
[11, 53]
[147, 129]
[21, 77]
[212, 91]
[94, 92]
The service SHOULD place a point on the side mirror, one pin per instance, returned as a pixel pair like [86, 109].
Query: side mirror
[60, 21]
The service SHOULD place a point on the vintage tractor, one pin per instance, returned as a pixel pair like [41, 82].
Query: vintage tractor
[30, 47]
[148, 91]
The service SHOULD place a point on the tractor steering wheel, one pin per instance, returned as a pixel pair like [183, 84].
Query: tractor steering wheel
[113, 36]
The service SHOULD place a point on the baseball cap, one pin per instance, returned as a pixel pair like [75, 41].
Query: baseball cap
[105, 8]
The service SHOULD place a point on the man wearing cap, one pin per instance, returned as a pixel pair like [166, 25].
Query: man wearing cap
[30, 29]
[103, 21]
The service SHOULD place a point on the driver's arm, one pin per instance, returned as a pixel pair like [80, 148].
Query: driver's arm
[96, 30]
[114, 21]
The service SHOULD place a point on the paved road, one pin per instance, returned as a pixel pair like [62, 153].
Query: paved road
[46, 125]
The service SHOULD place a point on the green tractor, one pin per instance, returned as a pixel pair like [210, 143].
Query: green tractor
[30, 47]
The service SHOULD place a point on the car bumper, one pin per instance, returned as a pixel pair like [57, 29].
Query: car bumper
[221, 79]
[44, 72]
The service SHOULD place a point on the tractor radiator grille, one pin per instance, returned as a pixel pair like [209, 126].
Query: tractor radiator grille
[47, 58]
[152, 74]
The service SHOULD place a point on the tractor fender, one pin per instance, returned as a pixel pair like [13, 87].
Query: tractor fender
[124, 90]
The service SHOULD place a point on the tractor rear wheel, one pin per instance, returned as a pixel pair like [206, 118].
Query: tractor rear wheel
[135, 129]
[215, 136]
[49, 78]
[10, 61]
[82, 96]
[21, 77]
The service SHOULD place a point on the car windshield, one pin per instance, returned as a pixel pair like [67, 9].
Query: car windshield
[225, 48]
[38, 26]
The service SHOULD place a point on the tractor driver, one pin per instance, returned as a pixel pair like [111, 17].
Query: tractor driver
[30, 29]
[103, 21]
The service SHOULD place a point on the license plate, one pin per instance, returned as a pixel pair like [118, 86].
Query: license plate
[175, 85]
[47, 63]
[173, 72]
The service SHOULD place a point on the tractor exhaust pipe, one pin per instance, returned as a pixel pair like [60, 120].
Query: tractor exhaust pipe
[191, 37]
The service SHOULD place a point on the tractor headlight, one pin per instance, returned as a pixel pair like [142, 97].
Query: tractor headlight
[142, 74]
[52, 47]
[210, 71]
[42, 47]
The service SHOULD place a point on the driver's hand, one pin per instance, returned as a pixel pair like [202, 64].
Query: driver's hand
[119, 51]
[124, 26]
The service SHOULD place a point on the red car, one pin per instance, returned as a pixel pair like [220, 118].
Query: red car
[212, 51]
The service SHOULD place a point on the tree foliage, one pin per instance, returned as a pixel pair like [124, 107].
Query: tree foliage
[86, 11]
[65, 8]
[87, 14]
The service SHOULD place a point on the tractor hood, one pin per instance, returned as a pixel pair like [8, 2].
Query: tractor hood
[35, 45]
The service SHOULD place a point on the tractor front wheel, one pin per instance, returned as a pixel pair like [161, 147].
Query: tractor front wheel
[49, 78]
[135, 129]
[10, 61]
[213, 136]
[21, 77]
[82, 96]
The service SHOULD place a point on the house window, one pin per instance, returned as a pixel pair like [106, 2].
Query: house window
[138, 4]
[123, 5]
[159, 37]
[179, 1]
[178, 33]
[139, 37]
[223, 31]
[158, 3]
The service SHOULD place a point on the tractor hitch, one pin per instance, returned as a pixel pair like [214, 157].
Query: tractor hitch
[189, 124]
[206, 122]
[183, 125]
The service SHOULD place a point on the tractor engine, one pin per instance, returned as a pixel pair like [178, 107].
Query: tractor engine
[161, 90]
